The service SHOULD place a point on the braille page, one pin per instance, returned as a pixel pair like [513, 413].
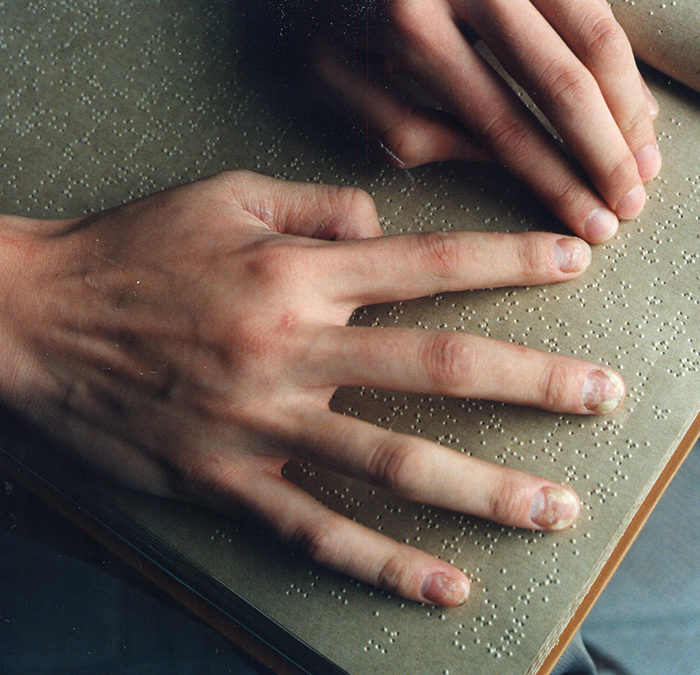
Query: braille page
[665, 35]
[102, 102]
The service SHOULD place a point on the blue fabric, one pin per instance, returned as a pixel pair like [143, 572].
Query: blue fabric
[576, 660]
[648, 617]
[67, 606]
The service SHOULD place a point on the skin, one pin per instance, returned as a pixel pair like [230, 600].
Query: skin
[574, 61]
[188, 344]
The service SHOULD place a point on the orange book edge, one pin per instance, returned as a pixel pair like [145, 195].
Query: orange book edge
[253, 646]
[623, 545]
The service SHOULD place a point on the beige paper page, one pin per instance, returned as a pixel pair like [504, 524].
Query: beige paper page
[665, 35]
[101, 102]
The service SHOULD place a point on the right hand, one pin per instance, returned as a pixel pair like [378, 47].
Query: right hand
[571, 56]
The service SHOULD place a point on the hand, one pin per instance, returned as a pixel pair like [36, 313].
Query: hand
[189, 343]
[571, 57]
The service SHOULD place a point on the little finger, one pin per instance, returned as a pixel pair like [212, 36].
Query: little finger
[339, 543]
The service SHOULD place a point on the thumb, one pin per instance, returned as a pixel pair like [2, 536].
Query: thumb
[308, 209]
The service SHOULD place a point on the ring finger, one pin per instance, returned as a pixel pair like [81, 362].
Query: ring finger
[429, 473]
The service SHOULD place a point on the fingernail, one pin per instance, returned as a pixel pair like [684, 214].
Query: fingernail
[602, 391]
[443, 589]
[600, 225]
[571, 254]
[632, 203]
[648, 162]
[554, 508]
[652, 104]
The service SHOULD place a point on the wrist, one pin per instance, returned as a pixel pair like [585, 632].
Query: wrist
[23, 294]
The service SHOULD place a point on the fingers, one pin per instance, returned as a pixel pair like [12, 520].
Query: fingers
[415, 265]
[652, 104]
[306, 209]
[454, 73]
[452, 363]
[567, 93]
[423, 471]
[411, 135]
[352, 549]
[590, 30]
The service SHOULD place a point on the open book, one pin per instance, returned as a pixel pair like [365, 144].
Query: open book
[153, 95]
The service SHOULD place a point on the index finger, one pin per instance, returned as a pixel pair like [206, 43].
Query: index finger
[407, 266]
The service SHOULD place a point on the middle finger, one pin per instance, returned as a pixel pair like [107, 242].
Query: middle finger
[452, 363]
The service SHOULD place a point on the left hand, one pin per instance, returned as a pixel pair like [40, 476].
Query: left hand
[189, 343]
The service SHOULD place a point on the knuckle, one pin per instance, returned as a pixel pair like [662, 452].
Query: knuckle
[232, 175]
[440, 253]
[395, 574]
[395, 464]
[405, 16]
[273, 262]
[566, 193]
[235, 179]
[530, 256]
[411, 20]
[262, 346]
[195, 474]
[606, 42]
[621, 169]
[404, 146]
[568, 86]
[509, 501]
[446, 360]
[357, 203]
[637, 124]
[506, 135]
[319, 541]
[554, 386]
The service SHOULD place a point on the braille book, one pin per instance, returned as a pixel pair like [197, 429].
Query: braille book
[102, 102]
